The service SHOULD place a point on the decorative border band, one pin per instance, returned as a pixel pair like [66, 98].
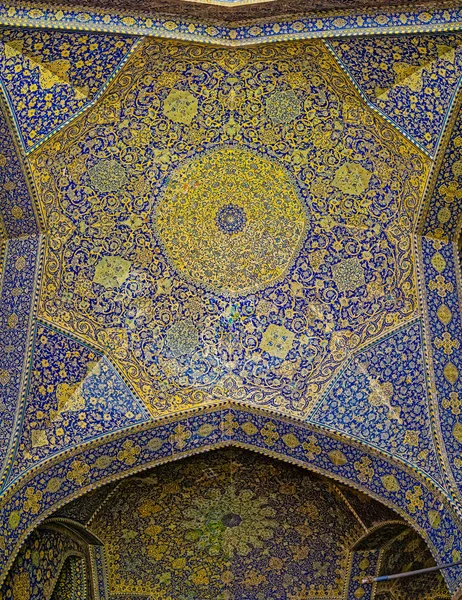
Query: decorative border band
[322, 25]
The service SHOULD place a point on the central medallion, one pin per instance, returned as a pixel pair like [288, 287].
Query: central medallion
[231, 221]
[231, 218]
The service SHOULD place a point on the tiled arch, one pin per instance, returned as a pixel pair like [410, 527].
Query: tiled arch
[425, 506]
[73, 473]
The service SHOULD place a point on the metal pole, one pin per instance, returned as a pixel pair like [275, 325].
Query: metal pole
[410, 573]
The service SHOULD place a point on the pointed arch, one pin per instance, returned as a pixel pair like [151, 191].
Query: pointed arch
[424, 505]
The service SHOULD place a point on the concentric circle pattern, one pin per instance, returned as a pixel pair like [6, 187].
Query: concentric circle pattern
[231, 220]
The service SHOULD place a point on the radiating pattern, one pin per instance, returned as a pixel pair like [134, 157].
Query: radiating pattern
[118, 273]
[112, 457]
[226, 525]
[175, 277]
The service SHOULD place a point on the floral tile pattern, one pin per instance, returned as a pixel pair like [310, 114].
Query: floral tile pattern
[412, 80]
[298, 309]
[412, 555]
[213, 527]
[416, 18]
[71, 584]
[16, 297]
[441, 285]
[381, 398]
[112, 457]
[270, 299]
[19, 249]
[364, 564]
[74, 395]
[50, 77]
[37, 569]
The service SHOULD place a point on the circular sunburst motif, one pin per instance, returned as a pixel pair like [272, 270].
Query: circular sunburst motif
[231, 220]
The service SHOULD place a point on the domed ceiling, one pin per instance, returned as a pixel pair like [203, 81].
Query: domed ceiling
[212, 245]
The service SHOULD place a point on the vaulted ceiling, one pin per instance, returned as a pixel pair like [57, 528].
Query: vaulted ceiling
[228, 524]
[209, 245]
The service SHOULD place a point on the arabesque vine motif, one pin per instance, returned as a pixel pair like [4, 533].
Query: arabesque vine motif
[218, 526]
[108, 280]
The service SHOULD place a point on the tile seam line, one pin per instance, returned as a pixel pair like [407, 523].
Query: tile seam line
[226, 39]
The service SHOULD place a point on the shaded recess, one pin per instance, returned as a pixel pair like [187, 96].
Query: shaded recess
[227, 12]
[233, 524]
[37, 569]
[407, 552]
[71, 584]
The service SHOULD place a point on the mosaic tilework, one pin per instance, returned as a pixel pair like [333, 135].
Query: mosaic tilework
[74, 395]
[381, 535]
[381, 398]
[334, 24]
[19, 243]
[267, 221]
[49, 77]
[99, 572]
[408, 553]
[16, 293]
[411, 80]
[108, 280]
[36, 569]
[230, 524]
[442, 215]
[42, 491]
[365, 564]
[16, 204]
[71, 584]
[442, 294]
[445, 331]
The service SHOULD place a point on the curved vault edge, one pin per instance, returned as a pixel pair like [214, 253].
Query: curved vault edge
[23, 239]
[74, 472]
